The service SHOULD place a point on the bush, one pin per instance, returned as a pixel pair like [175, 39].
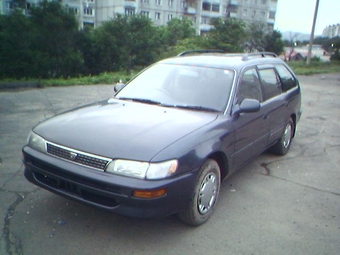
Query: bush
[335, 57]
[316, 67]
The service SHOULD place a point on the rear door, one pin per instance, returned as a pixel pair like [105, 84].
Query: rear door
[274, 103]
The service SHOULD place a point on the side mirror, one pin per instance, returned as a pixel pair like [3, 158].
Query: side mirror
[246, 106]
[118, 87]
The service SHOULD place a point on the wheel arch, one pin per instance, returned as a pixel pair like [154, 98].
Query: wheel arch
[222, 162]
[293, 116]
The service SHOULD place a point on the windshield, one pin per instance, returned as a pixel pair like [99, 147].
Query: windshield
[192, 87]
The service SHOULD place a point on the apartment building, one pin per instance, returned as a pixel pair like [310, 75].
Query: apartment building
[331, 31]
[95, 12]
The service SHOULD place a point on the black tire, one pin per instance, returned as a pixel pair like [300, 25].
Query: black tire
[204, 196]
[283, 145]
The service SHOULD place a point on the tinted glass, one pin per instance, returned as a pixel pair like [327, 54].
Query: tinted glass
[182, 85]
[270, 83]
[287, 79]
[249, 86]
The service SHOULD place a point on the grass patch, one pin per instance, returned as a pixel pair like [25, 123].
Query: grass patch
[299, 67]
[315, 67]
[105, 78]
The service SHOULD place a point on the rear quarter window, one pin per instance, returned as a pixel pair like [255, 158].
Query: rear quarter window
[287, 79]
[270, 83]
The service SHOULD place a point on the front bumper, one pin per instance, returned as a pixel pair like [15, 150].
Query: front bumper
[104, 190]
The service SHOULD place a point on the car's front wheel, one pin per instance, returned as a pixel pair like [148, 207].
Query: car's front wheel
[204, 196]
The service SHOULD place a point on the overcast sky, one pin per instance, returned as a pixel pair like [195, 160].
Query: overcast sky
[297, 15]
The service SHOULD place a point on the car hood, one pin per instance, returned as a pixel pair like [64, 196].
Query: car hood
[122, 129]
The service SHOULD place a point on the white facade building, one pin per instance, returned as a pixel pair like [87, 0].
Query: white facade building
[331, 31]
[95, 12]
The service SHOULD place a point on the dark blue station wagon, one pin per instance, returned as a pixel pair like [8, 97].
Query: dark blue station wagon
[163, 143]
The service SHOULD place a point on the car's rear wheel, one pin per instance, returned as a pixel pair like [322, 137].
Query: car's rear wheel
[283, 145]
[204, 196]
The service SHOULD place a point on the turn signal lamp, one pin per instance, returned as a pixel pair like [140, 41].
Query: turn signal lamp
[147, 194]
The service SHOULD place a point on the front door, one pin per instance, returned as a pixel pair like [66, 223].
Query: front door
[251, 129]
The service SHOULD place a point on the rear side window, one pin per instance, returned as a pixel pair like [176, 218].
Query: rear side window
[287, 79]
[270, 83]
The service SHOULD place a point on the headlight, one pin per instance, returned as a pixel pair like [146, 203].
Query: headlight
[143, 170]
[161, 170]
[36, 142]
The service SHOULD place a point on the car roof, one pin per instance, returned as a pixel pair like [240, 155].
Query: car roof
[223, 60]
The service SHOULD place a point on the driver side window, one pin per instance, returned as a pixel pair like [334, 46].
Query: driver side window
[249, 86]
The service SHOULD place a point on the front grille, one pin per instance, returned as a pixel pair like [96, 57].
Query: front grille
[77, 156]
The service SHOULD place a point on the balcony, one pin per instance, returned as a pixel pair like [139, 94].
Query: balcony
[190, 10]
[270, 21]
[233, 2]
[205, 27]
[130, 3]
[232, 14]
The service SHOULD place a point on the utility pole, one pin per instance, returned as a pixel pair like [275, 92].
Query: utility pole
[312, 33]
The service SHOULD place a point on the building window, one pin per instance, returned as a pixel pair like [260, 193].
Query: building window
[194, 19]
[145, 13]
[157, 16]
[215, 8]
[9, 5]
[145, 1]
[183, 4]
[88, 11]
[171, 3]
[169, 16]
[245, 12]
[88, 24]
[263, 14]
[205, 20]
[254, 14]
[129, 11]
[264, 2]
[206, 6]
[73, 10]
[272, 15]
[159, 2]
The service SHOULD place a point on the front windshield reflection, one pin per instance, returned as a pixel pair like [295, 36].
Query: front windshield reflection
[182, 85]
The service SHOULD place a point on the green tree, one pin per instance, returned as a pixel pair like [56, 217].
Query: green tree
[87, 45]
[126, 42]
[16, 56]
[260, 38]
[228, 35]
[55, 31]
[334, 49]
[177, 30]
[272, 42]
[193, 43]
[255, 34]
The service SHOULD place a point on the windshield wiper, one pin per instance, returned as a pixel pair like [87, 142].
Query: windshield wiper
[142, 100]
[193, 107]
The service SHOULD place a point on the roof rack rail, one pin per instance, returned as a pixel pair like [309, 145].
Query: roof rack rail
[199, 51]
[248, 56]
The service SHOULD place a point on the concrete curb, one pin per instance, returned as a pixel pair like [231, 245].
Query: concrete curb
[18, 85]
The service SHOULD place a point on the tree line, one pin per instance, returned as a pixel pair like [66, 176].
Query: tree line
[47, 43]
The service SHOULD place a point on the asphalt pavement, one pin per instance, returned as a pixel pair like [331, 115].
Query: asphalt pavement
[274, 205]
